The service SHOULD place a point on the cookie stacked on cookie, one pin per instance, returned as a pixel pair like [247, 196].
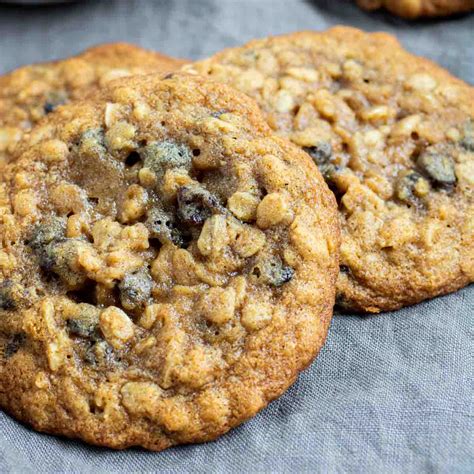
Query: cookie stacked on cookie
[168, 265]
[31, 92]
[393, 136]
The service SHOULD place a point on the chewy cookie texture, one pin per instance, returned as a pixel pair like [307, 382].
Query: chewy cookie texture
[393, 135]
[168, 265]
[419, 8]
[31, 92]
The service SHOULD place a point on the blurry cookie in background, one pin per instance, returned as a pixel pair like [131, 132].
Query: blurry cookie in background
[31, 92]
[167, 265]
[419, 8]
[393, 135]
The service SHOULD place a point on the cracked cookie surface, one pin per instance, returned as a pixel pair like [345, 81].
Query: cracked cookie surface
[393, 135]
[31, 92]
[168, 265]
[419, 8]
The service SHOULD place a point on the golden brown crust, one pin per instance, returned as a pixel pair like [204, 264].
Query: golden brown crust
[30, 92]
[168, 265]
[393, 133]
[419, 8]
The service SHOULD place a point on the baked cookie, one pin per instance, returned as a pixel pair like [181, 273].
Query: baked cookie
[419, 8]
[393, 135]
[29, 93]
[168, 265]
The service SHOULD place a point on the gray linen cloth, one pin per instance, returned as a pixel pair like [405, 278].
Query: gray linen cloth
[389, 393]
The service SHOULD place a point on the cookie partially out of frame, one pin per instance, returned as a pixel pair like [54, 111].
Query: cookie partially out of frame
[168, 265]
[30, 92]
[393, 135]
[419, 8]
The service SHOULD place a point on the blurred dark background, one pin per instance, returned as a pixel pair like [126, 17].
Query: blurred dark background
[197, 28]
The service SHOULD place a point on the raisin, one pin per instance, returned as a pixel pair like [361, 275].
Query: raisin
[60, 258]
[218, 113]
[52, 230]
[81, 328]
[162, 226]
[48, 107]
[86, 324]
[438, 167]
[6, 300]
[272, 271]
[55, 253]
[321, 155]
[344, 269]
[196, 204]
[13, 345]
[11, 294]
[467, 143]
[54, 100]
[135, 289]
[408, 186]
[162, 156]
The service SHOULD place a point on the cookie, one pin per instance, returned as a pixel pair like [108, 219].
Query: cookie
[168, 265]
[29, 93]
[393, 135]
[419, 8]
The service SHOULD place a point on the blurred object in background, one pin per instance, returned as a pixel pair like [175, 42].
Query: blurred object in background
[35, 2]
[412, 9]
